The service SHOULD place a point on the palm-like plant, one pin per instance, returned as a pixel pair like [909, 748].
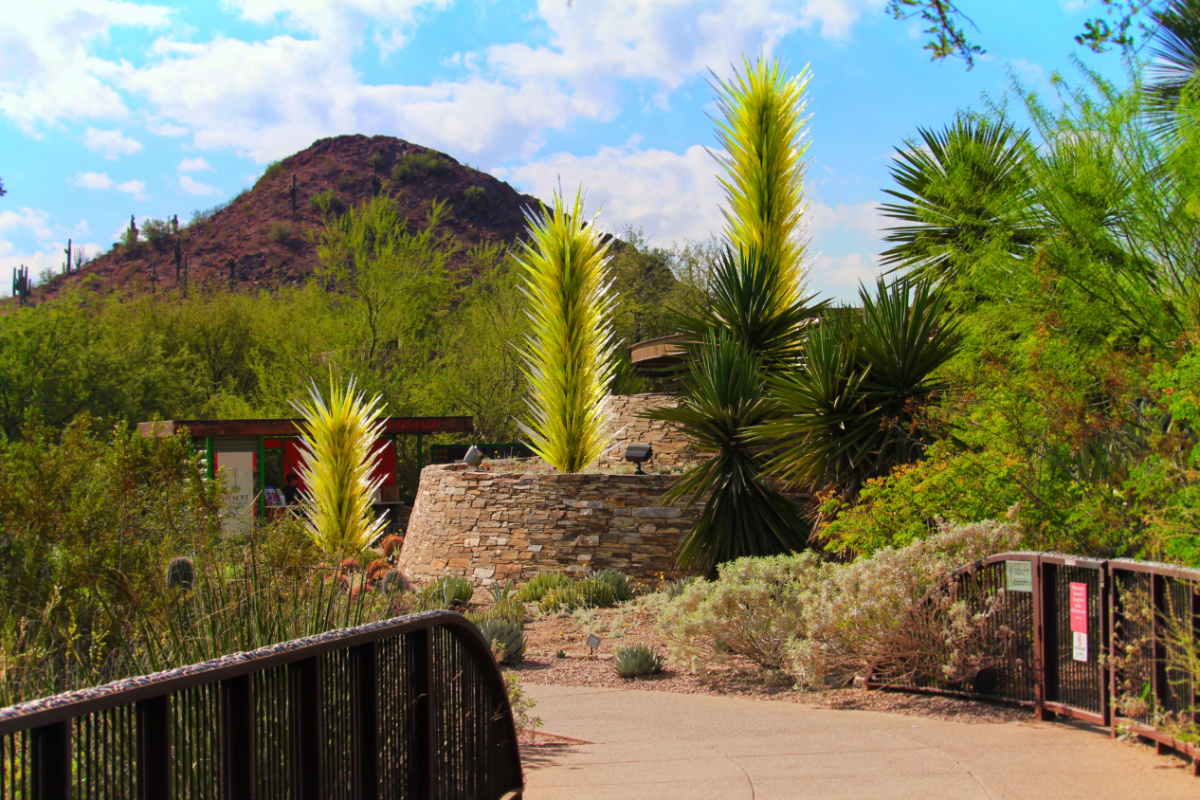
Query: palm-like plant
[338, 444]
[1176, 61]
[569, 351]
[853, 412]
[743, 515]
[963, 191]
[762, 134]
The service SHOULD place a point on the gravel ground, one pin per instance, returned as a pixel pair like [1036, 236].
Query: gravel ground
[631, 623]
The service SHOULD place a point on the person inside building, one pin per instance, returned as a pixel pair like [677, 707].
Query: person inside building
[291, 489]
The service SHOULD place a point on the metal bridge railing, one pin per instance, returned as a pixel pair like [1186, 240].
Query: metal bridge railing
[413, 707]
[1072, 636]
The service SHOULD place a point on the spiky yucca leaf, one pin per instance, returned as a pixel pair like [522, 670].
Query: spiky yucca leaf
[762, 132]
[337, 443]
[569, 352]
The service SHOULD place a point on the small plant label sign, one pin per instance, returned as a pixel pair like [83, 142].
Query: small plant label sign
[593, 641]
[1079, 621]
[1018, 576]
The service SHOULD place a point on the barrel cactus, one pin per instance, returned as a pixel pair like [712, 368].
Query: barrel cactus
[506, 638]
[634, 661]
[619, 581]
[393, 581]
[181, 573]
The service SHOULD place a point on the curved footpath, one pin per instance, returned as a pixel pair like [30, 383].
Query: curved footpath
[647, 744]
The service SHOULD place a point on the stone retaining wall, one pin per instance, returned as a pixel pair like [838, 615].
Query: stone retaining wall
[626, 426]
[500, 526]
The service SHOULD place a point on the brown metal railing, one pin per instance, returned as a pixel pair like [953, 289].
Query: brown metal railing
[413, 707]
[1039, 604]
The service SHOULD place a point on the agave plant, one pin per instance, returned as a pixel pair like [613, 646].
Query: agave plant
[337, 442]
[762, 135]
[569, 354]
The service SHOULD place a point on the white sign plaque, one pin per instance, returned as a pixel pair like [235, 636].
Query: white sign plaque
[1018, 576]
[1079, 652]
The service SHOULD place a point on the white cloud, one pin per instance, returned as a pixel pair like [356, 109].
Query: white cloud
[93, 180]
[671, 196]
[34, 220]
[47, 70]
[111, 143]
[194, 165]
[135, 188]
[843, 271]
[836, 17]
[48, 254]
[859, 217]
[187, 184]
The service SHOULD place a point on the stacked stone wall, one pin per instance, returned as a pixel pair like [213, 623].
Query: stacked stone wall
[672, 450]
[494, 527]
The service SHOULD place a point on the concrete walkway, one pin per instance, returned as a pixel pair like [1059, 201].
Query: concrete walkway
[647, 745]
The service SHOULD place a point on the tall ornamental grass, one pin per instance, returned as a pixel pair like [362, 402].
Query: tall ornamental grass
[762, 132]
[569, 351]
[338, 443]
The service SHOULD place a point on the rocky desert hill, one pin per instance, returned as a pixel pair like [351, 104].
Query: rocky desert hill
[260, 240]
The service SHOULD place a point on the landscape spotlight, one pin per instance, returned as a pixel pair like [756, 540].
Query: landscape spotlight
[638, 453]
[474, 457]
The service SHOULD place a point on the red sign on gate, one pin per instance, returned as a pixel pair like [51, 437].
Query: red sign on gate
[1079, 615]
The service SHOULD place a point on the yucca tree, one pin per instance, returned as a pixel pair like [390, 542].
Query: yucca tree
[569, 352]
[762, 135]
[853, 412]
[752, 327]
[338, 443]
[964, 192]
[733, 348]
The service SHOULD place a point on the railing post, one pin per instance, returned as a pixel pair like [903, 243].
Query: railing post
[365, 710]
[237, 739]
[1105, 644]
[1046, 643]
[51, 745]
[421, 774]
[307, 728]
[154, 760]
[1159, 684]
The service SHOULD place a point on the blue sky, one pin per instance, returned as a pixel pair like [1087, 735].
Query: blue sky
[110, 108]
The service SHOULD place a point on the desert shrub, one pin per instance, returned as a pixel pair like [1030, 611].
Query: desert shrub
[753, 609]
[888, 612]
[327, 203]
[281, 232]
[637, 660]
[475, 197]
[536, 589]
[155, 230]
[273, 169]
[512, 610]
[416, 165]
